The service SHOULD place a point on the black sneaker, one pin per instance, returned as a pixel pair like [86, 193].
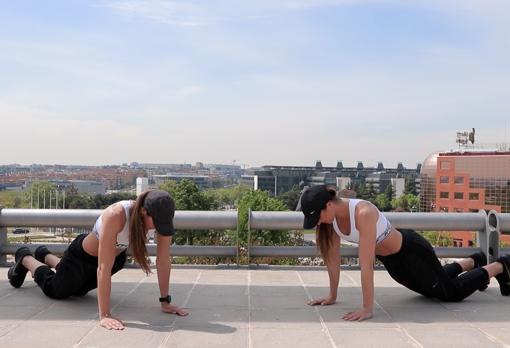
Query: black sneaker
[504, 277]
[41, 252]
[18, 272]
[480, 260]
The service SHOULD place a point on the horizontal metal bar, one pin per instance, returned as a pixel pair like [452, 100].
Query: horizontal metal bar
[504, 251]
[419, 221]
[184, 219]
[176, 250]
[275, 251]
[504, 222]
[280, 251]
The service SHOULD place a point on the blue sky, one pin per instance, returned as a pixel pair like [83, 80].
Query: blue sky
[259, 82]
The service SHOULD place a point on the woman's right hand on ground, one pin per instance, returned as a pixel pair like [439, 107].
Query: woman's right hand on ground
[322, 301]
[111, 323]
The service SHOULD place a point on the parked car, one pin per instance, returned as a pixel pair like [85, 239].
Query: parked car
[20, 230]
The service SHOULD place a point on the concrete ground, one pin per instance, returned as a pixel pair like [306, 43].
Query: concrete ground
[251, 308]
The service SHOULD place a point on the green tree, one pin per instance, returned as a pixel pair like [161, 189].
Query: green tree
[410, 186]
[360, 190]
[389, 192]
[187, 196]
[257, 200]
[408, 202]
[370, 192]
[438, 239]
[79, 201]
[227, 197]
[12, 199]
[291, 197]
[382, 202]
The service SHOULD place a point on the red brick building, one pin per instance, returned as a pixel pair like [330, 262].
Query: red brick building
[466, 181]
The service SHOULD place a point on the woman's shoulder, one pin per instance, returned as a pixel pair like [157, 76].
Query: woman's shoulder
[365, 209]
[116, 211]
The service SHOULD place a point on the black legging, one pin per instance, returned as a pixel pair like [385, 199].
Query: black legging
[76, 273]
[417, 267]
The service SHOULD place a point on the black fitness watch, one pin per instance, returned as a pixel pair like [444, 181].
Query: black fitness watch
[167, 299]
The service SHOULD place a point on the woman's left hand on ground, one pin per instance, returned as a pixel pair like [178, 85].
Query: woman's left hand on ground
[168, 308]
[358, 315]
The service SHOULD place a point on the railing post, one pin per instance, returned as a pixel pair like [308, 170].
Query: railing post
[248, 242]
[237, 239]
[494, 235]
[3, 241]
[482, 237]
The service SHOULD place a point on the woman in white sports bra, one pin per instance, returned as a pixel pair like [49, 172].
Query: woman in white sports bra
[406, 255]
[92, 259]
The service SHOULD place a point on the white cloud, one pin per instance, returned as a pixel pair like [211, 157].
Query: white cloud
[160, 11]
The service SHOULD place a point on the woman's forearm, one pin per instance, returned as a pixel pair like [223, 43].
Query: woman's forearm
[104, 286]
[367, 287]
[163, 266]
[333, 266]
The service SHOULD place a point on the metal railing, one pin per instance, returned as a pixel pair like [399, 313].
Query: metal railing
[183, 220]
[486, 225]
[488, 228]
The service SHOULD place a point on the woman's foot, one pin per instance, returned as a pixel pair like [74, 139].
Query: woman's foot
[18, 272]
[504, 277]
[40, 253]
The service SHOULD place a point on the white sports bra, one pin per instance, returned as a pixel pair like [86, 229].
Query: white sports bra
[383, 226]
[123, 236]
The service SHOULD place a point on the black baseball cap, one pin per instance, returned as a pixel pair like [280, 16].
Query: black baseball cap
[161, 207]
[313, 200]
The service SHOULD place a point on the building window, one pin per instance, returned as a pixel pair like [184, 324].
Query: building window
[443, 209]
[459, 180]
[444, 195]
[445, 165]
[473, 210]
[474, 196]
[458, 210]
[444, 180]
[458, 195]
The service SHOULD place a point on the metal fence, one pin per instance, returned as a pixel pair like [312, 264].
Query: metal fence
[183, 220]
[488, 227]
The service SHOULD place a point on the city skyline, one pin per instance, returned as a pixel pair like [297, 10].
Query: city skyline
[259, 83]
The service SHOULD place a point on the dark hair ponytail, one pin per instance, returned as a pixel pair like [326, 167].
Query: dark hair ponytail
[138, 236]
[323, 232]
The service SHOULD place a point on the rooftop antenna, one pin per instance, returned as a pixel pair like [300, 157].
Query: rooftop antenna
[506, 144]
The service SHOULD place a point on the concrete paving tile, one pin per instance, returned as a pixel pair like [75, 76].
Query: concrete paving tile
[43, 335]
[215, 299]
[447, 336]
[491, 316]
[29, 294]
[181, 339]
[502, 334]
[220, 305]
[332, 317]
[289, 337]
[228, 318]
[370, 337]
[284, 318]
[147, 295]
[221, 277]
[133, 336]
[17, 312]
[282, 302]
[274, 278]
[422, 315]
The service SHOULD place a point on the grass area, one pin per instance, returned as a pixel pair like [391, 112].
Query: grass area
[38, 239]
